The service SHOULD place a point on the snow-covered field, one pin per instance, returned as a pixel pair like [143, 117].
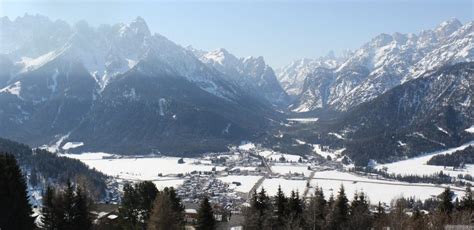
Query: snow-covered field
[304, 120]
[141, 168]
[275, 156]
[376, 190]
[161, 184]
[334, 154]
[418, 166]
[470, 129]
[271, 186]
[247, 182]
[284, 169]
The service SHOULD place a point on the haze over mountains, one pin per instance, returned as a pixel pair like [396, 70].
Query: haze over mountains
[122, 89]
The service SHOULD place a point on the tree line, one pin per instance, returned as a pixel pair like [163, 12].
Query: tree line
[338, 213]
[456, 159]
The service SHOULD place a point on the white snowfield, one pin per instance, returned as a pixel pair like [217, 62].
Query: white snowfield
[304, 120]
[161, 184]
[142, 168]
[271, 186]
[377, 190]
[247, 182]
[275, 156]
[284, 169]
[13, 89]
[470, 129]
[72, 145]
[418, 166]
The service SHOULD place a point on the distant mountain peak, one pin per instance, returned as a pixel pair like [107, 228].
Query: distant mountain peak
[446, 28]
[137, 27]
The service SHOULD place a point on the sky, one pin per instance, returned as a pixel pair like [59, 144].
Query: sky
[279, 30]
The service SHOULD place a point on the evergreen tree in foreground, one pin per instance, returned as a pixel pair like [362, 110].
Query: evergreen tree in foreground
[339, 215]
[48, 219]
[162, 216]
[315, 212]
[68, 209]
[15, 211]
[205, 220]
[281, 205]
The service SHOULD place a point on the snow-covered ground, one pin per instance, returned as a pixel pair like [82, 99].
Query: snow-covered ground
[271, 186]
[72, 145]
[161, 184]
[304, 120]
[247, 146]
[247, 182]
[376, 190]
[470, 129]
[275, 156]
[284, 169]
[334, 154]
[418, 166]
[142, 168]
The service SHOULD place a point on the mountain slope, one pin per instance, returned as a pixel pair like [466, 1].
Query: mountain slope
[250, 73]
[421, 115]
[119, 88]
[387, 61]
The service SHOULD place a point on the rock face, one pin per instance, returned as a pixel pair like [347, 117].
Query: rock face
[120, 88]
[379, 65]
[251, 73]
[428, 113]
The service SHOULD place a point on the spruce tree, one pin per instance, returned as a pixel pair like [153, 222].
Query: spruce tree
[67, 203]
[359, 212]
[446, 206]
[467, 203]
[338, 217]
[315, 213]
[129, 208]
[81, 214]
[281, 205]
[49, 218]
[205, 219]
[15, 210]
[176, 205]
[295, 206]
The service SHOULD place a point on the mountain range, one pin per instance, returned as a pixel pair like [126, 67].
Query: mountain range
[122, 89]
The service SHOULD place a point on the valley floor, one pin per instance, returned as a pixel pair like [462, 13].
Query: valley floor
[236, 174]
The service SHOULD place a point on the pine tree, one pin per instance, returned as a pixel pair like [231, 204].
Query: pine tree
[315, 213]
[15, 211]
[33, 177]
[467, 203]
[49, 217]
[129, 208]
[259, 214]
[295, 206]
[67, 207]
[360, 217]
[446, 206]
[146, 192]
[205, 220]
[338, 217]
[281, 204]
[176, 205]
[80, 212]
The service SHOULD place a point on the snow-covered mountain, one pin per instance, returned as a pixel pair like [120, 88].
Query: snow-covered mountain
[383, 63]
[251, 73]
[92, 84]
[293, 75]
[421, 115]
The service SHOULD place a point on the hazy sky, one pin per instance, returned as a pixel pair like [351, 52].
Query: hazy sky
[281, 31]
